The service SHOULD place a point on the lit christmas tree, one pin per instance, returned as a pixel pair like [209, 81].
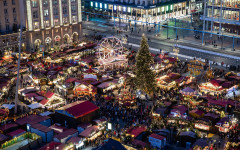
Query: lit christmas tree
[145, 77]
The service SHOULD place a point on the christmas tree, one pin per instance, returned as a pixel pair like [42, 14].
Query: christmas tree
[145, 77]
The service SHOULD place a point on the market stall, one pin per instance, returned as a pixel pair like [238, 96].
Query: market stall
[84, 88]
[212, 87]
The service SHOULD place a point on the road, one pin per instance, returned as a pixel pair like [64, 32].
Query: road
[106, 29]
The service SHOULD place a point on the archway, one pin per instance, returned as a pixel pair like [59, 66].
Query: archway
[75, 37]
[48, 42]
[57, 40]
[66, 39]
[37, 44]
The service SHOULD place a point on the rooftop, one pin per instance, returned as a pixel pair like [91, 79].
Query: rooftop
[41, 127]
[33, 119]
[65, 133]
[79, 108]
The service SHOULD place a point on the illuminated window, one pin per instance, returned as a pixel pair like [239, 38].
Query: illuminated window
[96, 4]
[171, 7]
[124, 8]
[159, 9]
[119, 8]
[162, 9]
[56, 22]
[115, 7]
[100, 5]
[36, 25]
[166, 8]
[74, 19]
[46, 12]
[91, 4]
[47, 23]
[34, 3]
[129, 9]
[105, 6]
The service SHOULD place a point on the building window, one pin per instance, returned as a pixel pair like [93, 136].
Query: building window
[6, 20]
[73, 1]
[55, 2]
[100, 5]
[47, 23]
[13, 2]
[96, 4]
[35, 14]
[45, 3]
[55, 11]
[105, 6]
[74, 8]
[129, 9]
[7, 27]
[64, 1]
[166, 8]
[15, 18]
[14, 10]
[5, 11]
[91, 4]
[56, 22]
[74, 19]
[65, 20]
[45, 12]
[5, 2]
[36, 25]
[64, 10]
[34, 3]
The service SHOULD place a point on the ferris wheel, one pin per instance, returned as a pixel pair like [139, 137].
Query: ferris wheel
[110, 48]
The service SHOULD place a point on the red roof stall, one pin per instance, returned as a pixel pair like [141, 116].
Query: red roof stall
[64, 136]
[135, 131]
[76, 113]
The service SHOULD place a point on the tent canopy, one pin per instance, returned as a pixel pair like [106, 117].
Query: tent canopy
[8, 106]
[35, 105]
